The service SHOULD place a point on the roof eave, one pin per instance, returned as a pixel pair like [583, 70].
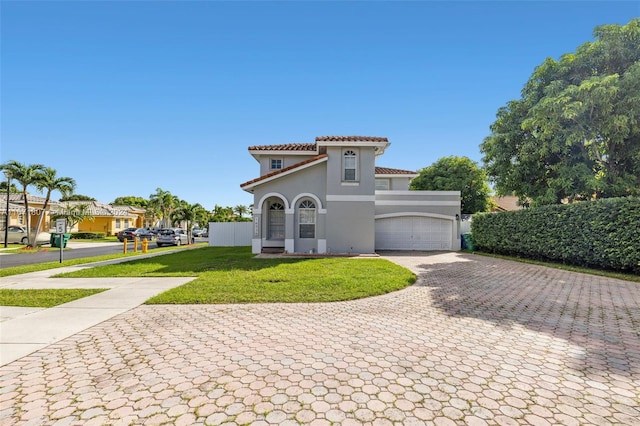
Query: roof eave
[397, 175]
[271, 152]
[250, 186]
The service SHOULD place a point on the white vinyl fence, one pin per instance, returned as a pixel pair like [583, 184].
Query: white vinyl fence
[230, 234]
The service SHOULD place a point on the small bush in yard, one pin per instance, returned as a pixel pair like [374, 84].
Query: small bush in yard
[603, 234]
[88, 235]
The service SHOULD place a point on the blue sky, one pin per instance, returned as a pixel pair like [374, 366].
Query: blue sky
[126, 97]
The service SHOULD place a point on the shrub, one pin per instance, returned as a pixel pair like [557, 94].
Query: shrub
[602, 234]
[88, 235]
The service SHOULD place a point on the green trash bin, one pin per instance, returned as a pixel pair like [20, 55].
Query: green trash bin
[55, 240]
[467, 242]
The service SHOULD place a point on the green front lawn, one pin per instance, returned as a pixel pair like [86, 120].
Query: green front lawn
[25, 269]
[44, 298]
[234, 275]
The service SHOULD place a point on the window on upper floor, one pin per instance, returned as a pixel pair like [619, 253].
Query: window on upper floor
[382, 184]
[307, 219]
[276, 163]
[349, 166]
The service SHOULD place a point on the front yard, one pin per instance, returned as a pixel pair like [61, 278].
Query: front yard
[234, 275]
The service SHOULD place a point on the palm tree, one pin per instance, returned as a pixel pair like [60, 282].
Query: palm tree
[164, 202]
[222, 214]
[74, 214]
[189, 213]
[26, 175]
[47, 180]
[240, 210]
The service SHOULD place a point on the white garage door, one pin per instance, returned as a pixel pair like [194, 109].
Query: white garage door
[413, 233]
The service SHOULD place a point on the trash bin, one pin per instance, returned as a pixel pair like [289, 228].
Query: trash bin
[467, 242]
[55, 240]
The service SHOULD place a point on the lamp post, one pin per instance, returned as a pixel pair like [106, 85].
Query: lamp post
[6, 225]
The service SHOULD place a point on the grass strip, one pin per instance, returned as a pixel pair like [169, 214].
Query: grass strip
[44, 298]
[24, 269]
[572, 268]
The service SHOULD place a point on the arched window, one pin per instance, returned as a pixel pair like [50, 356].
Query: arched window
[307, 219]
[275, 230]
[349, 165]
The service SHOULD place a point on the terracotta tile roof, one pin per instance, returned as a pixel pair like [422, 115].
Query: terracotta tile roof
[314, 146]
[96, 208]
[18, 198]
[506, 203]
[389, 171]
[286, 169]
[285, 147]
[16, 206]
[351, 139]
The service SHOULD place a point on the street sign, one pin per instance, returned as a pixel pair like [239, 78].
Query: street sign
[61, 226]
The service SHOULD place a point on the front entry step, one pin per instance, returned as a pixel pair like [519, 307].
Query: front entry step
[272, 250]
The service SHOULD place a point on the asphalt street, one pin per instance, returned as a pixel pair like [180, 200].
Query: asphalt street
[52, 254]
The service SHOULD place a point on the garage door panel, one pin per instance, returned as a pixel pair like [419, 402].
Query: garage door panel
[413, 233]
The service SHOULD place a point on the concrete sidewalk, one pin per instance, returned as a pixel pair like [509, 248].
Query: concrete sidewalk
[25, 330]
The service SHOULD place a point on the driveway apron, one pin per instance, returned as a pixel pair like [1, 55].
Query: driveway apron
[476, 340]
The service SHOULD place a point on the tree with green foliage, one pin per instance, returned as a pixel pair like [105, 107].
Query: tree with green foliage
[240, 210]
[150, 212]
[575, 132]
[189, 214]
[163, 202]
[457, 174]
[130, 200]
[73, 214]
[25, 175]
[48, 181]
[77, 197]
[222, 214]
[13, 189]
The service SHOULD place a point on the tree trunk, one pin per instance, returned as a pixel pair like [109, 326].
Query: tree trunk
[42, 213]
[26, 215]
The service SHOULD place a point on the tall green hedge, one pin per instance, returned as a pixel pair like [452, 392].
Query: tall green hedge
[87, 235]
[603, 234]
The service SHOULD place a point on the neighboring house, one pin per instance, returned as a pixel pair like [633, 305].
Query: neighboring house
[17, 212]
[505, 204]
[106, 218]
[329, 197]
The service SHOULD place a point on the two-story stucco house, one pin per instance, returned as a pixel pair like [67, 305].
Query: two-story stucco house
[329, 197]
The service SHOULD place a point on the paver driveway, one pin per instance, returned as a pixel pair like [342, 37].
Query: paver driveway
[475, 341]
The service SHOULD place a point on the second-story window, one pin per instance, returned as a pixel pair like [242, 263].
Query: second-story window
[276, 163]
[349, 166]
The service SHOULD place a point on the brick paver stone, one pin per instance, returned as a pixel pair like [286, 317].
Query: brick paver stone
[475, 341]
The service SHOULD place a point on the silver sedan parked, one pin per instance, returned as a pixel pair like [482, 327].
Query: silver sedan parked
[172, 237]
[18, 234]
